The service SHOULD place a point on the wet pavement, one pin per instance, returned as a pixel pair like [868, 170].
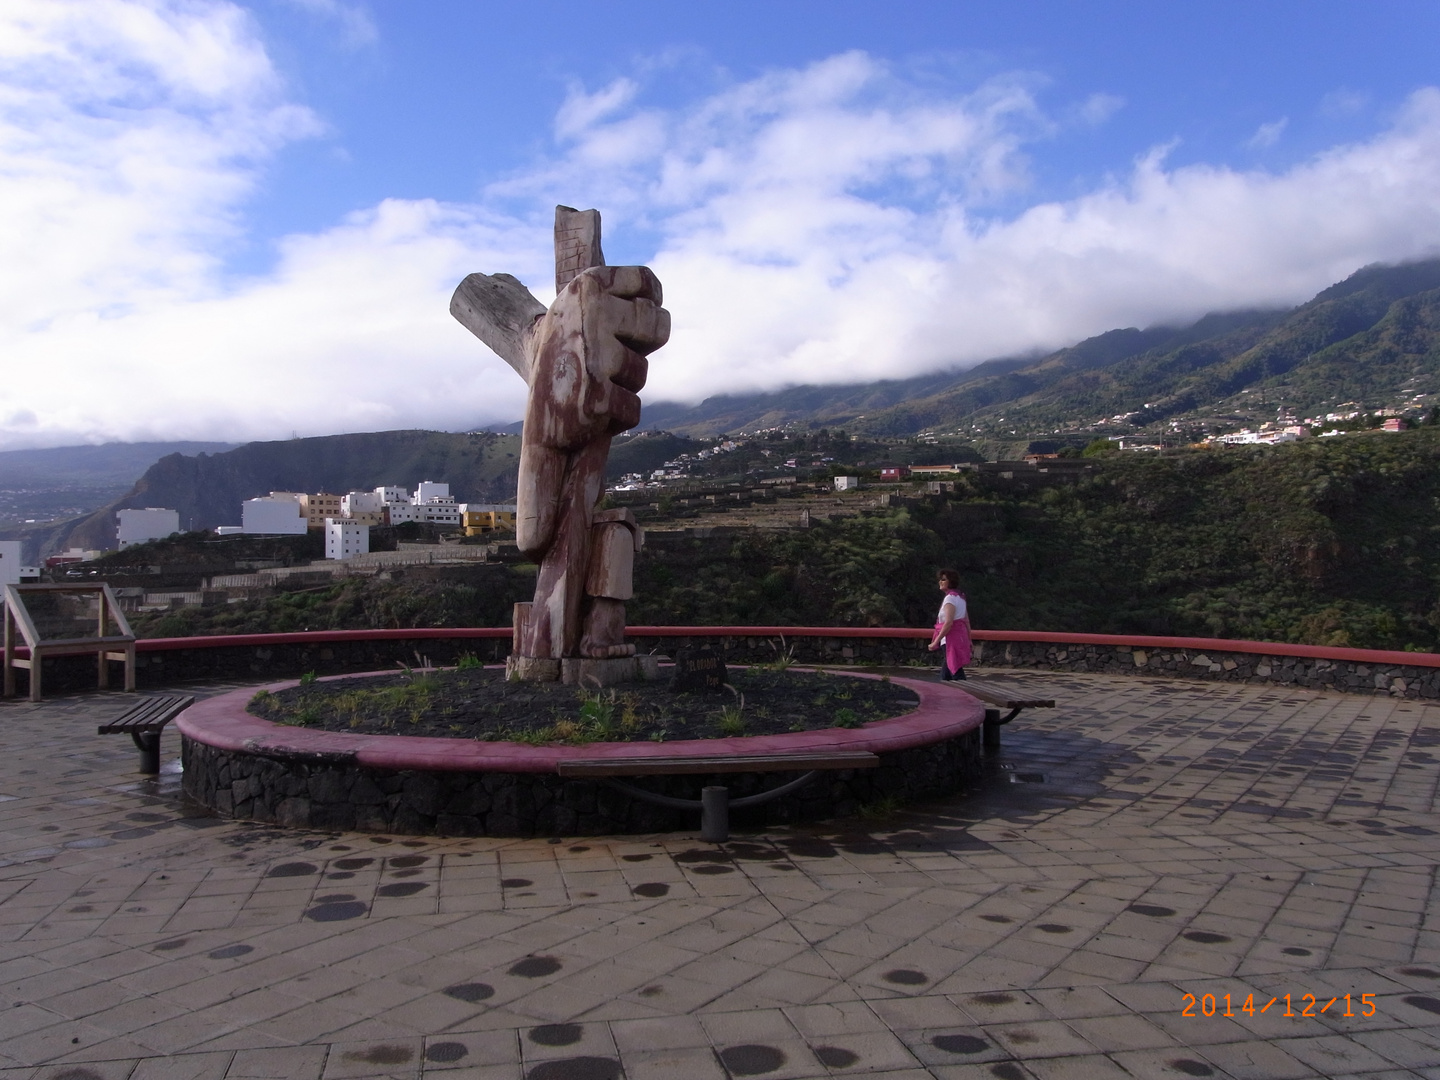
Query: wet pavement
[1156, 878]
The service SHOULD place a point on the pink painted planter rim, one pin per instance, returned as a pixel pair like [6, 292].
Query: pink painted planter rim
[1134, 641]
[222, 722]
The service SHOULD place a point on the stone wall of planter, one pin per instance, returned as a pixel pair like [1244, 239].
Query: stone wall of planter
[332, 794]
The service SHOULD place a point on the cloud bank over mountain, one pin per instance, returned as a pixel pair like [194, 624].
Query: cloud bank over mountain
[841, 221]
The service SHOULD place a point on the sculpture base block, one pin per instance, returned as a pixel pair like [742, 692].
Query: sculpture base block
[582, 671]
[531, 669]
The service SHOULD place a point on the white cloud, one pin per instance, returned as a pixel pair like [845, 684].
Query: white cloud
[356, 27]
[580, 110]
[831, 223]
[130, 135]
[1343, 102]
[1267, 135]
[1098, 108]
[832, 238]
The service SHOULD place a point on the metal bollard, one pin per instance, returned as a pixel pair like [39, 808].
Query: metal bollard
[715, 814]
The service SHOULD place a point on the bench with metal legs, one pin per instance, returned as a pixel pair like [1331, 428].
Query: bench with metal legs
[144, 721]
[1001, 697]
[714, 803]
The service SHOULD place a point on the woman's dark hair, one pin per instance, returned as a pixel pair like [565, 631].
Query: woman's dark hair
[950, 577]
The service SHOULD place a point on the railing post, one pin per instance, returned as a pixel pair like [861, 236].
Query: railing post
[9, 677]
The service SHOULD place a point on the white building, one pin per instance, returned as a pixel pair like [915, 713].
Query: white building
[345, 538]
[363, 508]
[10, 562]
[152, 523]
[401, 512]
[846, 483]
[273, 515]
[431, 492]
[434, 504]
[1265, 437]
[437, 513]
[362, 502]
[393, 495]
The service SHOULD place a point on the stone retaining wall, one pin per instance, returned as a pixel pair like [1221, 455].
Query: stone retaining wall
[278, 661]
[270, 661]
[309, 793]
[1348, 676]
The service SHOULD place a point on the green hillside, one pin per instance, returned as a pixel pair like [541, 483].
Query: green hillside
[1328, 541]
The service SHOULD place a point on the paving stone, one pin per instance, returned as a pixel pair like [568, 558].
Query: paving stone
[1186, 839]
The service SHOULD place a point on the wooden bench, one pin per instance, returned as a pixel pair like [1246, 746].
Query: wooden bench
[1001, 696]
[144, 721]
[714, 803]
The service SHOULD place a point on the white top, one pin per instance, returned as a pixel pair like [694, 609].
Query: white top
[956, 603]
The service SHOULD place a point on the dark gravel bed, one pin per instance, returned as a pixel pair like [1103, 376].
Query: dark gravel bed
[479, 704]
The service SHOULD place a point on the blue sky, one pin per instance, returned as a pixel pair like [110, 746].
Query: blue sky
[232, 220]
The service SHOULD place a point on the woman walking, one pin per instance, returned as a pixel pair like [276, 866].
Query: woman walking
[952, 628]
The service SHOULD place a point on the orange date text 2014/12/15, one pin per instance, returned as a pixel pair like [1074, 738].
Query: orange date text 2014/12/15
[1302, 1005]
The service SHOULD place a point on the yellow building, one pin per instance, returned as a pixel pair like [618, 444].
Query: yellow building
[316, 508]
[482, 518]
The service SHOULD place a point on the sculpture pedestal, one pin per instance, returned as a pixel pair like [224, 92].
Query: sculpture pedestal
[582, 671]
[531, 669]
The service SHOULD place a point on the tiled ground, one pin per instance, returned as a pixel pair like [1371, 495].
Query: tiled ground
[1148, 845]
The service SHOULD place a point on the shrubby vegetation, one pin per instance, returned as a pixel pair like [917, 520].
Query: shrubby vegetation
[483, 596]
[1333, 541]
[1327, 542]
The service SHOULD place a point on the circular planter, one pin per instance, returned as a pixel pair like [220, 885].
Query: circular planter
[247, 768]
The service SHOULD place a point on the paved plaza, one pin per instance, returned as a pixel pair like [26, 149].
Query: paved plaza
[1156, 879]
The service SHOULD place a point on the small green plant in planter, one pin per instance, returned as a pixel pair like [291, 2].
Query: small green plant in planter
[784, 657]
[597, 713]
[468, 662]
[629, 715]
[308, 679]
[732, 721]
[847, 718]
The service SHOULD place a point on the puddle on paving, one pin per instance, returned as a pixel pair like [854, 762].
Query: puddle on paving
[446, 1052]
[535, 967]
[470, 992]
[751, 1059]
[959, 1044]
[556, 1034]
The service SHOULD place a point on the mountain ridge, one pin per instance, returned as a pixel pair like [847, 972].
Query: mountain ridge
[1191, 372]
[1371, 340]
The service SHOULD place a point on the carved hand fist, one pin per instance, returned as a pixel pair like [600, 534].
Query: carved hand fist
[587, 356]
